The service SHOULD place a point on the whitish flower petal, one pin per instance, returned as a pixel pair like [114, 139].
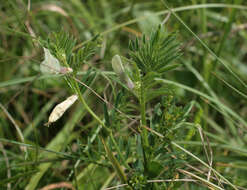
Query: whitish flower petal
[117, 65]
[59, 110]
[119, 70]
[50, 65]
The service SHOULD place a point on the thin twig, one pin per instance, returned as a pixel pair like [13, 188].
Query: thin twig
[210, 184]
[166, 18]
[205, 164]
[58, 185]
[206, 152]
[103, 99]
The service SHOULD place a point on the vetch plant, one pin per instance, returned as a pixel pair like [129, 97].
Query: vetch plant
[152, 57]
[144, 156]
[60, 59]
[51, 65]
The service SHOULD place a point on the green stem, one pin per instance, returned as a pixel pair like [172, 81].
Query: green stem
[77, 89]
[143, 115]
[115, 163]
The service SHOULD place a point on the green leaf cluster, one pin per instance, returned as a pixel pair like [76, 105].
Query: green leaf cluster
[156, 53]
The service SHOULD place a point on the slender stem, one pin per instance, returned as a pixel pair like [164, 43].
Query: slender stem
[143, 115]
[87, 107]
[115, 163]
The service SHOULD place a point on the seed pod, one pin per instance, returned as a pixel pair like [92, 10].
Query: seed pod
[120, 71]
[59, 110]
[51, 65]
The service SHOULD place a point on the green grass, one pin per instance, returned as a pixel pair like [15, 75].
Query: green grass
[178, 128]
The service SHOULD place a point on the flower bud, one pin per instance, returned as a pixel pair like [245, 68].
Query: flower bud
[59, 110]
